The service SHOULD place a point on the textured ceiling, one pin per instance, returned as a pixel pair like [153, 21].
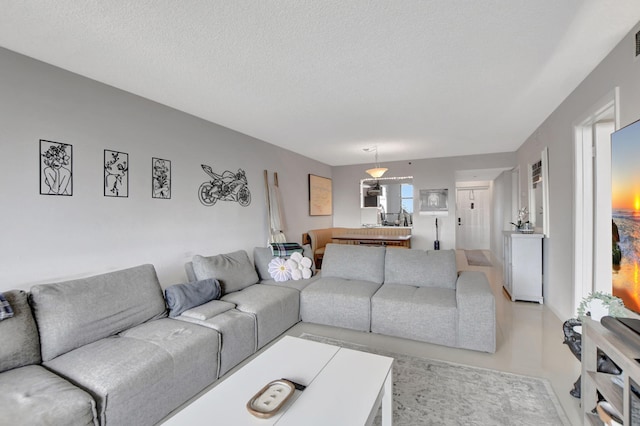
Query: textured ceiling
[417, 78]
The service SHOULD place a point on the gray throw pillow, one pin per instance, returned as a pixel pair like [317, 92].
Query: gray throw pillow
[181, 297]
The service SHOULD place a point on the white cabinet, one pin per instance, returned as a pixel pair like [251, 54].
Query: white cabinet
[523, 266]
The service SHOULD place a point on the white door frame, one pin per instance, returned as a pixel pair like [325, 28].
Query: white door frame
[583, 213]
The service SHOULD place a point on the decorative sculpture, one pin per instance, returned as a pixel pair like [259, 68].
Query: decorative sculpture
[573, 339]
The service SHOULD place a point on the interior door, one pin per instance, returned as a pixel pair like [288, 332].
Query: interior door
[473, 209]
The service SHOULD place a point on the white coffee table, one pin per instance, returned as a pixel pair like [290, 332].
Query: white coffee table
[344, 387]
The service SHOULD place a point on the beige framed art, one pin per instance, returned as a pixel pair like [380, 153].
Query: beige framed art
[320, 196]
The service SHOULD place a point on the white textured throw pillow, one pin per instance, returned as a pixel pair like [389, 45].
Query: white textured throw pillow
[297, 267]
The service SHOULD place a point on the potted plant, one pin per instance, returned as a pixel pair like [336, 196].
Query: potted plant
[599, 304]
[522, 214]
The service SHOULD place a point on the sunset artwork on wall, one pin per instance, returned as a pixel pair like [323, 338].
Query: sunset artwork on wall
[625, 206]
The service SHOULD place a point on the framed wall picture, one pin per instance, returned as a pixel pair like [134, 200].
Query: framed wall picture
[434, 202]
[116, 174]
[160, 178]
[56, 168]
[320, 196]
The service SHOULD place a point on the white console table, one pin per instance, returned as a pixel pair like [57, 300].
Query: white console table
[522, 265]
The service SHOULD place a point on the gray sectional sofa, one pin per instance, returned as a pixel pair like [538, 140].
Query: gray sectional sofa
[102, 350]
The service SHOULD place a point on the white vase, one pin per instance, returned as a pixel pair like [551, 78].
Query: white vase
[598, 309]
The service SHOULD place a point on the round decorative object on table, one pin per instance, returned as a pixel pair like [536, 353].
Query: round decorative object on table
[270, 399]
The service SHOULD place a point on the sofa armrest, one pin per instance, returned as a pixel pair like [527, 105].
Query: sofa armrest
[476, 312]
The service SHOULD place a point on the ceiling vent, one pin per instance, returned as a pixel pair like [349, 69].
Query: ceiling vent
[638, 43]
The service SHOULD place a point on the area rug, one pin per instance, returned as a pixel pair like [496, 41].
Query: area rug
[477, 258]
[429, 392]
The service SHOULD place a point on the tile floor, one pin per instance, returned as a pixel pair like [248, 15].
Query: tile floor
[529, 342]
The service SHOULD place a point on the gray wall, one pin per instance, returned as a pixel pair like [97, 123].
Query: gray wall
[434, 173]
[46, 238]
[619, 68]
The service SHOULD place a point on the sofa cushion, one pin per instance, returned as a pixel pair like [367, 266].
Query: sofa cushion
[234, 270]
[74, 313]
[353, 262]
[435, 268]
[338, 302]
[237, 335]
[20, 343]
[274, 308]
[141, 375]
[428, 314]
[208, 310]
[33, 395]
[296, 284]
[181, 297]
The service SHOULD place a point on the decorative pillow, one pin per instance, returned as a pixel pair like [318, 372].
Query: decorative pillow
[300, 266]
[181, 297]
[297, 267]
[263, 255]
[278, 269]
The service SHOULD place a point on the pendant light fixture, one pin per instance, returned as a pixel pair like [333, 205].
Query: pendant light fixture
[377, 171]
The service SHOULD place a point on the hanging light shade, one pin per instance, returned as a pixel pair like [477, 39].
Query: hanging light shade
[377, 171]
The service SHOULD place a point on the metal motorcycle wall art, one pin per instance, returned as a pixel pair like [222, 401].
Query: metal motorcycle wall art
[227, 186]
